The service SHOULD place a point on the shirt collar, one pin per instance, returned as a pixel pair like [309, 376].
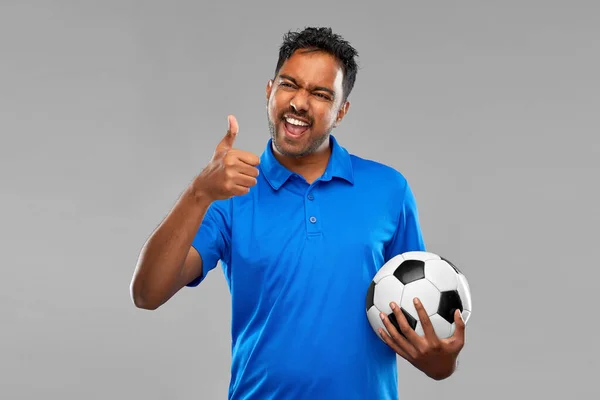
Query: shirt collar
[339, 165]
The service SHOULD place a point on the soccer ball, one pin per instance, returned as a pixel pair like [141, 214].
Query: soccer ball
[440, 286]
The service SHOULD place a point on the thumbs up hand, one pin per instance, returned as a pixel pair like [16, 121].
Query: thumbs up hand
[230, 172]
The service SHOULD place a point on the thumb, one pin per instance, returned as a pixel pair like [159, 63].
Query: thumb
[232, 131]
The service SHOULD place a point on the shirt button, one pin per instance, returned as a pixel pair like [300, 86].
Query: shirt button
[311, 197]
[313, 219]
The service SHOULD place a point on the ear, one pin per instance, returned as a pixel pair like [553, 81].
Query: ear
[341, 113]
[269, 88]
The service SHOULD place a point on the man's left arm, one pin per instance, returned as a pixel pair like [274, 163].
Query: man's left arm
[435, 357]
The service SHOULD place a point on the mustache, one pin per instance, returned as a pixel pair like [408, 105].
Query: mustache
[294, 114]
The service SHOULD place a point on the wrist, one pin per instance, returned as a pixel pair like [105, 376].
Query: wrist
[443, 370]
[199, 193]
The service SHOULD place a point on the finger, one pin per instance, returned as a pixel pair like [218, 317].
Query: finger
[409, 333]
[390, 342]
[459, 331]
[247, 170]
[397, 338]
[428, 329]
[248, 158]
[232, 130]
[234, 165]
[244, 180]
[239, 190]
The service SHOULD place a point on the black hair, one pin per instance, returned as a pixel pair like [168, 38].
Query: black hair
[322, 39]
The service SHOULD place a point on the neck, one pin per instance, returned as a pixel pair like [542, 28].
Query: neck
[310, 166]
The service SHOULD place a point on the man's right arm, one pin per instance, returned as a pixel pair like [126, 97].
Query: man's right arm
[168, 262]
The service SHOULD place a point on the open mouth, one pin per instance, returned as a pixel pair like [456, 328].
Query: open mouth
[295, 127]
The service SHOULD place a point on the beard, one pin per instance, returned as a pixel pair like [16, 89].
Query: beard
[313, 144]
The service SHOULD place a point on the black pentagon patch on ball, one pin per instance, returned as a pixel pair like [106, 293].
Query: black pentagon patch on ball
[370, 295]
[411, 321]
[452, 265]
[449, 303]
[410, 271]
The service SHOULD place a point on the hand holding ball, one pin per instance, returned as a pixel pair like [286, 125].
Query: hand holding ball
[439, 285]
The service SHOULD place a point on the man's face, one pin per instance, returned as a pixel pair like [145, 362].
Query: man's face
[308, 88]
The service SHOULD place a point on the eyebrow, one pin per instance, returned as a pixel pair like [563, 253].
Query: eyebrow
[289, 78]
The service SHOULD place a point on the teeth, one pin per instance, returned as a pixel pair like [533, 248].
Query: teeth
[295, 122]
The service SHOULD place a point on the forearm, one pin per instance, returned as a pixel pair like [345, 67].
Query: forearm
[163, 255]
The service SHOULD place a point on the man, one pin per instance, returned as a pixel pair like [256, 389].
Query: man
[300, 231]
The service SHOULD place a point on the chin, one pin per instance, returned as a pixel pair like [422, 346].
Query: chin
[288, 149]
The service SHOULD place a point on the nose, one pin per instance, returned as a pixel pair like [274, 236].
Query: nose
[299, 102]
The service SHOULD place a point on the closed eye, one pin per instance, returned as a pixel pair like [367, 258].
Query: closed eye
[323, 96]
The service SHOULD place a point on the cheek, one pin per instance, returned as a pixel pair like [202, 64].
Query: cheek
[327, 117]
[272, 110]
[276, 106]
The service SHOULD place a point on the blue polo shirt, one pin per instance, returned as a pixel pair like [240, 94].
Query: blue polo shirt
[298, 260]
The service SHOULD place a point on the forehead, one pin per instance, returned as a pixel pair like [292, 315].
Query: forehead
[314, 68]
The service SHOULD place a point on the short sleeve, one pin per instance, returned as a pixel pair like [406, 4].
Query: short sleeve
[408, 235]
[213, 238]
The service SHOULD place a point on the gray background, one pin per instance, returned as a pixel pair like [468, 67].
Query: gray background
[109, 108]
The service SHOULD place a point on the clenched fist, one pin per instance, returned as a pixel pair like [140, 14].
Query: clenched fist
[230, 172]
